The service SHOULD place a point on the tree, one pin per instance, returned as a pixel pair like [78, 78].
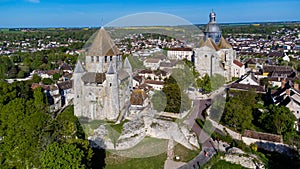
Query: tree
[24, 133]
[278, 120]
[204, 83]
[64, 156]
[21, 74]
[47, 81]
[36, 78]
[56, 76]
[237, 114]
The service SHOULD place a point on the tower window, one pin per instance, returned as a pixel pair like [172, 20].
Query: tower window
[97, 58]
[92, 58]
[109, 84]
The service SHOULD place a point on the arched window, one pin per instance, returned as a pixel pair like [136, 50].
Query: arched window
[92, 58]
[110, 58]
[97, 58]
[105, 59]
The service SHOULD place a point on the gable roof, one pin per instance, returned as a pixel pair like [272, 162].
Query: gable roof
[210, 43]
[102, 45]
[238, 63]
[224, 44]
[65, 85]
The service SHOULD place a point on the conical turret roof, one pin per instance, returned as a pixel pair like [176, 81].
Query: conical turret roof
[78, 68]
[103, 45]
[111, 69]
[127, 64]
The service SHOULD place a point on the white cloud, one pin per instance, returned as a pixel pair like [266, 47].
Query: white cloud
[33, 1]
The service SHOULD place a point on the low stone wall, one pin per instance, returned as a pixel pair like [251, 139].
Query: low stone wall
[233, 134]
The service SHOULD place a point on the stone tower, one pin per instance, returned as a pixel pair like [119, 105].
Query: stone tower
[97, 83]
[78, 85]
[212, 29]
[112, 92]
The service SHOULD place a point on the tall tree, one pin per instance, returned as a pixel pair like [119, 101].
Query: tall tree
[278, 120]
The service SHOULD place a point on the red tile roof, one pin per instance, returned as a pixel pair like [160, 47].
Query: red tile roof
[238, 63]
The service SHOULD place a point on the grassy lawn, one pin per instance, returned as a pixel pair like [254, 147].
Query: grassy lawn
[155, 162]
[152, 151]
[184, 153]
[222, 164]
[217, 163]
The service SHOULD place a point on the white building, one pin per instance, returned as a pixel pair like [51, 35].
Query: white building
[180, 53]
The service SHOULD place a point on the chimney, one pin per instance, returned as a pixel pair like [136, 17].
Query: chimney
[296, 86]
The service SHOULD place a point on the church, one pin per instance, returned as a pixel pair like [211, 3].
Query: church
[214, 55]
[102, 82]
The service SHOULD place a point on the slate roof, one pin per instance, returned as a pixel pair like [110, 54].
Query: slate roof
[92, 77]
[246, 87]
[65, 85]
[122, 75]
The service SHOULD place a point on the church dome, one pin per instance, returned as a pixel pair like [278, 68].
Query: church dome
[212, 27]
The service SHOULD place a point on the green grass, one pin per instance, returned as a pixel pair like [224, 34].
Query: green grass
[153, 151]
[217, 163]
[222, 164]
[155, 162]
[184, 153]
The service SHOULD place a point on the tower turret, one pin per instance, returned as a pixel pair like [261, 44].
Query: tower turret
[77, 88]
[112, 90]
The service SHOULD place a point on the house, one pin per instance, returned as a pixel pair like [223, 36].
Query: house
[137, 81]
[180, 53]
[246, 87]
[152, 63]
[157, 85]
[249, 79]
[288, 95]
[237, 69]
[278, 71]
[65, 90]
[159, 75]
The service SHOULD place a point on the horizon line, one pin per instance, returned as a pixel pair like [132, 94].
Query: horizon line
[220, 23]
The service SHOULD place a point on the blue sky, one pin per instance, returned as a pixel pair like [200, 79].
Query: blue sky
[73, 13]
